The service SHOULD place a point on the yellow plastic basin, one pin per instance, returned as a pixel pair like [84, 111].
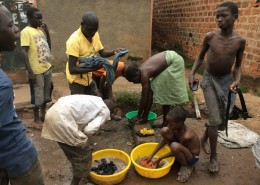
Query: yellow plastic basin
[146, 149]
[115, 178]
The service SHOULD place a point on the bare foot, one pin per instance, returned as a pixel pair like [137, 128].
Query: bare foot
[184, 173]
[37, 125]
[213, 165]
[205, 145]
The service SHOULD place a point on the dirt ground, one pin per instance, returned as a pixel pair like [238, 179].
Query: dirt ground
[236, 166]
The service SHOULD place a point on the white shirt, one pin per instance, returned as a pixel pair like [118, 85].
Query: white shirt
[74, 117]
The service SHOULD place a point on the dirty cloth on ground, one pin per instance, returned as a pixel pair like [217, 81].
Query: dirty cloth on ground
[238, 136]
[215, 90]
[256, 152]
[92, 62]
[169, 87]
[73, 118]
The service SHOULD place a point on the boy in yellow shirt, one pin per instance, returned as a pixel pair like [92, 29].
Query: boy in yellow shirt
[84, 42]
[36, 49]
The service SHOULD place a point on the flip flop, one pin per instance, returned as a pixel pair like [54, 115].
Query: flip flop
[184, 173]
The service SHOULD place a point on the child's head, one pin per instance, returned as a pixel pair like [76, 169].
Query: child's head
[9, 33]
[226, 14]
[34, 16]
[89, 24]
[132, 73]
[233, 8]
[176, 117]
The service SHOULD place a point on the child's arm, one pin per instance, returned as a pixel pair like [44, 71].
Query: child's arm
[158, 147]
[158, 160]
[237, 71]
[199, 60]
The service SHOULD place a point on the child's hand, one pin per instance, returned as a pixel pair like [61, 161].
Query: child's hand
[156, 162]
[147, 158]
[117, 50]
[233, 87]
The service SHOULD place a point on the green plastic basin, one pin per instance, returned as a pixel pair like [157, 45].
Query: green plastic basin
[151, 117]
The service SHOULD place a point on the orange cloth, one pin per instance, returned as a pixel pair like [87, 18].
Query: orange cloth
[102, 71]
[146, 164]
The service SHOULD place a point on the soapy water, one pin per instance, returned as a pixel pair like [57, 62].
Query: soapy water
[120, 164]
[162, 163]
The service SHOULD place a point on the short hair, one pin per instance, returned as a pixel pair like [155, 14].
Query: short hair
[178, 113]
[89, 18]
[31, 11]
[231, 6]
[131, 71]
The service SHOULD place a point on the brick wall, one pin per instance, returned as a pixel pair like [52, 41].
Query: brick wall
[186, 22]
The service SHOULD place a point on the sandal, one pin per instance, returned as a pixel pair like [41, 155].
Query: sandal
[184, 173]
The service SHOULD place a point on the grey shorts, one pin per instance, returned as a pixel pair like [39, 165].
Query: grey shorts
[80, 159]
[215, 93]
[43, 88]
[212, 102]
[33, 176]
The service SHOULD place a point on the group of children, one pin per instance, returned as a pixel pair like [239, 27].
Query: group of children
[167, 87]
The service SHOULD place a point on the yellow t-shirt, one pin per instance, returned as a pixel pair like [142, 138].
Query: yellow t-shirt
[39, 52]
[79, 46]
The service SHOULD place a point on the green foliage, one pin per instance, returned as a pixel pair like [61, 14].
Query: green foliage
[128, 99]
[188, 65]
[243, 89]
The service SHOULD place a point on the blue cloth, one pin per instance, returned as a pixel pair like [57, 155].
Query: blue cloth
[92, 62]
[17, 153]
[121, 53]
[193, 160]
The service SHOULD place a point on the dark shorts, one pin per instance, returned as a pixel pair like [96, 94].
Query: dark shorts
[193, 160]
[76, 88]
[80, 159]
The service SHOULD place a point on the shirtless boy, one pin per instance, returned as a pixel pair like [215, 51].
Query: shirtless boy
[225, 52]
[183, 141]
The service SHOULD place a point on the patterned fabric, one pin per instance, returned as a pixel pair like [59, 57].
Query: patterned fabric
[39, 52]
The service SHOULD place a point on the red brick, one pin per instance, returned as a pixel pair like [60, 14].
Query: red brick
[244, 5]
[257, 58]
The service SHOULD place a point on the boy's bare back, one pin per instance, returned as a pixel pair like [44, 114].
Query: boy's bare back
[222, 52]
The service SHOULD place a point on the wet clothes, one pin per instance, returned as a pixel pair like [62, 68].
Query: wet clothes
[169, 87]
[215, 90]
[92, 62]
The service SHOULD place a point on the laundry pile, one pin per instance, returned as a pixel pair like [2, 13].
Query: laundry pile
[104, 167]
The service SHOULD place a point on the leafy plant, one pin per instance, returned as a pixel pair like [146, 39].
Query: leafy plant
[128, 99]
